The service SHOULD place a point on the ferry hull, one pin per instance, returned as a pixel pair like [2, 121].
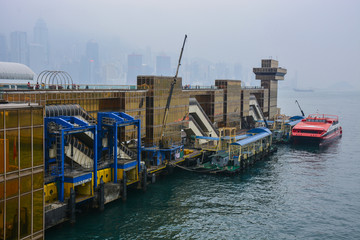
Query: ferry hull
[304, 140]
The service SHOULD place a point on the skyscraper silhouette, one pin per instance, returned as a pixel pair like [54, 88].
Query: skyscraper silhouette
[134, 68]
[19, 48]
[163, 65]
[41, 37]
[3, 49]
[90, 64]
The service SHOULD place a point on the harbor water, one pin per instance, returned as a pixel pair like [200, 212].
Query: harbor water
[300, 192]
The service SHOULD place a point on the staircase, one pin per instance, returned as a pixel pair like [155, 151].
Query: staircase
[201, 120]
[79, 152]
[255, 109]
[127, 151]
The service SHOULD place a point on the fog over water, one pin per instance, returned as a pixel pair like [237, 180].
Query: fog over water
[317, 41]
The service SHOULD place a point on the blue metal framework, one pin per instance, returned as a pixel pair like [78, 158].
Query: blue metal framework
[109, 122]
[65, 125]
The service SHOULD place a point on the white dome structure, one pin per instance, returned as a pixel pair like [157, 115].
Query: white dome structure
[15, 71]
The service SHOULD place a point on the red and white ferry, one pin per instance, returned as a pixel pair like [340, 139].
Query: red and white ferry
[317, 128]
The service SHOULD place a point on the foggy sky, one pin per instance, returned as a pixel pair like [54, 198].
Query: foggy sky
[320, 40]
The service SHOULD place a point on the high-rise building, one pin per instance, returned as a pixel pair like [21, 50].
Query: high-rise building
[111, 73]
[134, 68]
[19, 48]
[3, 49]
[39, 49]
[37, 58]
[238, 71]
[148, 56]
[163, 65]
[222, 71]
[90, 64]
[92, 52]
[41, 38]
[92, 57]
[269, 74]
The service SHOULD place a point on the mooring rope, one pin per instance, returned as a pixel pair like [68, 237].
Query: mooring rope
[197, 171]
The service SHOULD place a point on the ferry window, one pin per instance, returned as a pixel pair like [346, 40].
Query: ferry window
[309, 131]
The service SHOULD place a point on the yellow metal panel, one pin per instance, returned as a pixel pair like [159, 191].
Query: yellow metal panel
[67, 187]
[100, 173]
[107, 175]
[85, 189]
[120, 174]
[51, 193]
[132, 175]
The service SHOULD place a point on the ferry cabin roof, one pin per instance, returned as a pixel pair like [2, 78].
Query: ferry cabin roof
[260, 133]
[251, 139]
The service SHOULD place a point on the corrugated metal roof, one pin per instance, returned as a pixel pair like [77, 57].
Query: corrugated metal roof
[237, 138]
[251, 139]
[293, 123]
[259, 130]
[10, 70]
[296, 117]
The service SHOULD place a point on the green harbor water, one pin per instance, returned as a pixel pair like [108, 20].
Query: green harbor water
[300, 192]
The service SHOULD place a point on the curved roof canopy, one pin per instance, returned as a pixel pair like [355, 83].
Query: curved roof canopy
[259, 130]
[252, 139]
[18, 71]
[296, 117]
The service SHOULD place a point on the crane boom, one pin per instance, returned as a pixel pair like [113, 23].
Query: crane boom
[161, 143]
[296, 101]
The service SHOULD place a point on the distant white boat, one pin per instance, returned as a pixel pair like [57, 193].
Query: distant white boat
[302, 90]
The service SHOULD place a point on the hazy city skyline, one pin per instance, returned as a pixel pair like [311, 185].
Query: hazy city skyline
[320, 41]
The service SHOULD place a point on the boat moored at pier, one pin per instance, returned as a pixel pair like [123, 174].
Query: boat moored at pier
[317, 129]
[250, 147]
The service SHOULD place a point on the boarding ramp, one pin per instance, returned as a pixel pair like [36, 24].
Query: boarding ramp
[255, 110]
[125, 152]
[194, 127]
[79, 146]
[202, 120]
[69, 110]
[61, 144]
[79, 152]
[84, 140]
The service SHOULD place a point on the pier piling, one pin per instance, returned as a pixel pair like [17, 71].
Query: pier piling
[124, 188]
[101, 196]
[72, 206]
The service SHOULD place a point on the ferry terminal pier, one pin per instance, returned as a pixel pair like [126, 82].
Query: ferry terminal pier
[64, 145]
